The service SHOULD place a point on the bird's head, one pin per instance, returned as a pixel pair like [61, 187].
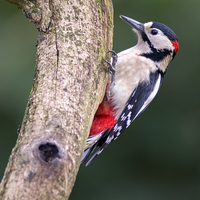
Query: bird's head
[156, 41]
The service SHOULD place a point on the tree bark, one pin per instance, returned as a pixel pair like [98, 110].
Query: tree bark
[69, 83]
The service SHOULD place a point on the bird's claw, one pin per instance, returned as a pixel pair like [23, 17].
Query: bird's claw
[112, 64]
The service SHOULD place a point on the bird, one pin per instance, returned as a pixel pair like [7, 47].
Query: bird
[135, 77]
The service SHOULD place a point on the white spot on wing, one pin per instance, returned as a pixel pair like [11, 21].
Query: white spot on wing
[130, 106]
[127, 117]
[123, 117]
[128, 122]
[117, 129]
[117, 135]
[109, 139]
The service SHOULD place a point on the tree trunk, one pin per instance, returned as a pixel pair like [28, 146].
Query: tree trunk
[69, 83]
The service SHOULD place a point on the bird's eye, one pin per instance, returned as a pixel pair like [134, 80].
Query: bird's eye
[154, 32]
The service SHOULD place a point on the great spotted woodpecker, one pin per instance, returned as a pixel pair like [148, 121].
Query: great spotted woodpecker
[137, 74]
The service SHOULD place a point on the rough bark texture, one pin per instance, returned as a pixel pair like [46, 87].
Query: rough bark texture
[69, 83]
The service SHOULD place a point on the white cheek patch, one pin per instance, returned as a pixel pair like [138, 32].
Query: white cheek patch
[161, 42]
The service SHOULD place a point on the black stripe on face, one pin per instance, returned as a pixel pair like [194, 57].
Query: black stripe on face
[155, 54]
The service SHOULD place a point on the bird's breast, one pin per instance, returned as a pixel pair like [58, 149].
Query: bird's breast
[131, 70]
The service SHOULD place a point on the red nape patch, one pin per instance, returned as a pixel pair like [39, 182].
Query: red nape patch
[176, 45]
[102, 123]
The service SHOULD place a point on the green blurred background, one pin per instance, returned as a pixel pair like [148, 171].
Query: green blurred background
[157, 158]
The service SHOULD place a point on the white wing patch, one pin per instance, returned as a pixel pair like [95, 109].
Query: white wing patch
[151, 96]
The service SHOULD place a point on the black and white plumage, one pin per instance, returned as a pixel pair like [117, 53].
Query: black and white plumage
[137, 78]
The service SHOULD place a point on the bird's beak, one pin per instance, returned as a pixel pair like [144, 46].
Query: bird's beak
[133, 23]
